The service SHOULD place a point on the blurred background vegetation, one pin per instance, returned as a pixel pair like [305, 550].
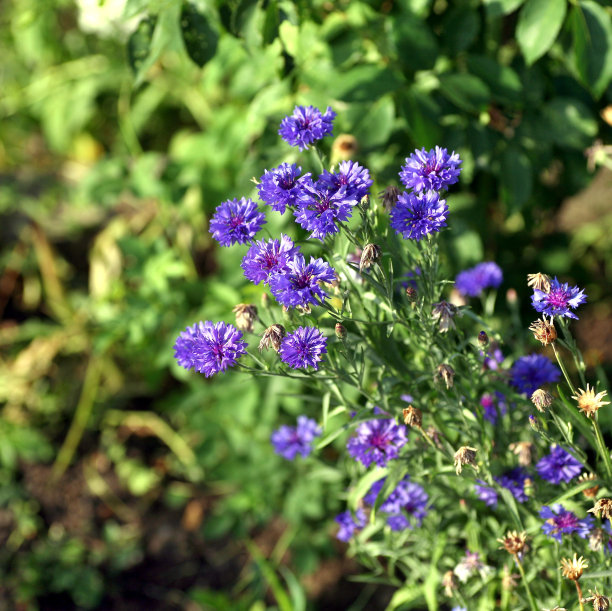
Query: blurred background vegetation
[127, 483]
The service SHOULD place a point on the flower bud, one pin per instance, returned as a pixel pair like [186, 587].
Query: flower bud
[273, 336]
[371, 254]
[412, 294]
[340, 331]
[246, 314]
[483, 339]
[534, 423]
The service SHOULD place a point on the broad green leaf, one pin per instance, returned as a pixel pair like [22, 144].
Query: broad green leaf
[416, 44]
[376, 123]
[466, 91]
[538, 26]
[139, 43]
[503, 81]
[591, 28]
[516, 178]
[497, 8]
[570, 123]
[199, 36]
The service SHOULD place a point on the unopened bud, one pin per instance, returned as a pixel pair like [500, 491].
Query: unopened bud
[542, 399]
[273, 336]
[340, 331]
[446, 373]
[534, 423]
[246, 314]
[511, 296]
[412, 294]
[483, 339]
[413, 417]
[371, 254]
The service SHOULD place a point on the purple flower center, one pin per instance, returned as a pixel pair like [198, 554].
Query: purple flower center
[322, 205]
[286, 182]
[379, 440]
[565, 521]
[236, 221]
[304, 280]
[557, 298]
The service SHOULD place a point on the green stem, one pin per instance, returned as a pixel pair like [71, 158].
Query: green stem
[605, 454]
[563, 369]
[532, 602]
[579, 591]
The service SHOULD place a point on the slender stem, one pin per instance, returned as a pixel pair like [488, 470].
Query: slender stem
[579, 590]
[532, 602]
[563, 369]
[605, 454]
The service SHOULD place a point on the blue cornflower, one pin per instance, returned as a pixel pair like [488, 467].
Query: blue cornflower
[289, 441]
[514, 480]
[236, 222]
[493, 406]
[560, 521]
[405, 505]
[349, 523]
[416, 216]
[486, 493]
[473, 281]
[208, 347]
[303, 348]
[434, 170]
[531, 372]
[559, 300]
[279, 187]
[319, 207]
[377, 441]
[306, 125]
[350, 175]
[558, 466]
[265, 258]
[298, 285]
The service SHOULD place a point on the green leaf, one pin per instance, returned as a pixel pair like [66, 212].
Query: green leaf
[416, 44]
[503, 81]
[516, 178]
[498, 8]
[570, 123]
[466, 91]
[538, 25]
[199, 36]
[139, 43]
[376, 123]
[591, 28]
[363, 485]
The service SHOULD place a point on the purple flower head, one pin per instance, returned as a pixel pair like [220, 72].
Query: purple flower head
[349, 523]
[473, 281]
[279, 187]
[303, 348]
[236, 222]
[377, 441]
[298, 285]
[306, 125]
[318, 207]
[209, 347]
[416, 216]
[514, 480]
[558, 466]
[406, 505]
[486, 493]
[265, 258]
[434, 170]
[350, 175]
[560, 521]
[289, 441]
[531, 372]
[493, 406]
[559, 300]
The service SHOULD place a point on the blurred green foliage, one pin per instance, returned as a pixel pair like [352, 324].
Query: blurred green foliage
[123, 126]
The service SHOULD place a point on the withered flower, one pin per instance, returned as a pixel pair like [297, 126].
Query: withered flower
[603, 509]
[465, 456]
[413, 417]
[589, 402]
[543, 331]
[572, 568]
[372, 253]
[444, 312]
[450, 583]
[514, 542]
[446, 373]
[600, 602]
[542, 399]
[539, 281]
[389, 197]
[246, 315]
[589, 493]
[524, 451]
[273, 336]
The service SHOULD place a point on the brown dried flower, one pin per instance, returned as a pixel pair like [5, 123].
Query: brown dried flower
[447, 373]
[543, 331]
[389, 197]
[465, 456]
[539, 281]
[450, 583]
[340, 331]
[589, 402]
[273, 336]
[372, 253]
[344, 147]
[444, 312]
[413, 416]
[596, 539]
[602, 509]
[574, 567]
[514, 542]
[590, 493]
[600, 602]
[524, 451]
[509, 580]
[542, 399]
[246, 315]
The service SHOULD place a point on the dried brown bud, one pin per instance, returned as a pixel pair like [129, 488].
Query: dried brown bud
[602, 509]
[412, 294]
[574, 567]
[246, 315]
[541, 399]
[589, 493]
[444, 312]
[538, 281]
[340, 331]
[273, 336]
[344, 148]
[509, 580]
[446, 373]
[465, 456]
[389, 197]
[596, 539]
[600, 602]
[483, 339]
[514, 542]
[524, 451]
[543, 331]
[450, 583]
[413, 416]
[371, 254]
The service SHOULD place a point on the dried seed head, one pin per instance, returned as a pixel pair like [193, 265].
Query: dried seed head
[246, 315]
[589, 493]
[524, 451]
[413, 416]
[543, 331]
[509, 580]
[389, 197]
[483, 339]
[574, 567]
[273, 336]
[465, 456]
[603, 509]
[446, 373]
[371, 253]
[589, 402]
[542, 399]
[444, 312]
[450, 583]
[539, 281]
[600, 602]
[514, 542]
[340, 331]
[344, 147]
[411, 294]
[596, 539]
